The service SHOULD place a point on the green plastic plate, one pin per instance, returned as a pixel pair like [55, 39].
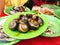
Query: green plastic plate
[7, 10]
[54, 7]
[29, 34]
[7, 42]
[57, 13]
[55, 26]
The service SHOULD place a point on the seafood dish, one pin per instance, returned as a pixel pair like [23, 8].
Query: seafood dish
[53, 29]
[44, 10]
[18, 9]
[3, 36]
[26, 23]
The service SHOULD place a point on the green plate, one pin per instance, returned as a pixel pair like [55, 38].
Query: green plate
[55, 26]
[27, 35]
[9, 43]
[6, 42]
[54, 7]
[7, 10]
[57, 13]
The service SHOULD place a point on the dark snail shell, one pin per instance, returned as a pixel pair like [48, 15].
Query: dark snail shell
[24, 19]
[40, 21]
[13, 24]
[23, 27]
[29, 15]
[21, 9]
[33, 24]
[35, 17]
[20, 17]
[21, 21]
[16, 8]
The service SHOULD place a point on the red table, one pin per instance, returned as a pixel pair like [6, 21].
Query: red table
[38, 40]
